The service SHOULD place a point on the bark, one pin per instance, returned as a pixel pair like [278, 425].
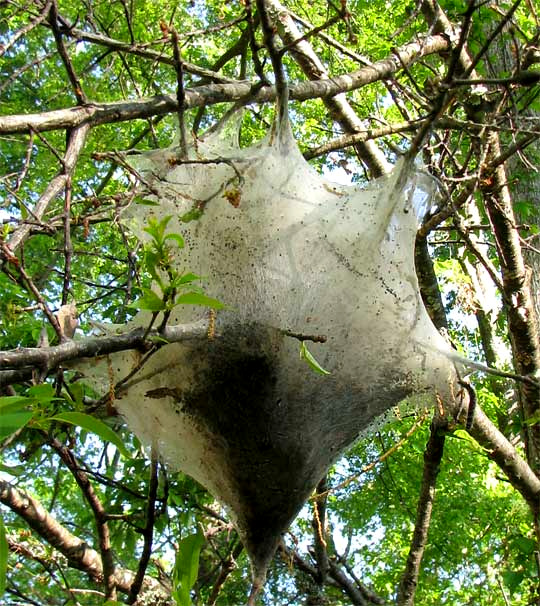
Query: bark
[119, 111]
[432, 461]
[516, 278]
[338, 106]
[51, 357]
[75, 145]
[500, 449]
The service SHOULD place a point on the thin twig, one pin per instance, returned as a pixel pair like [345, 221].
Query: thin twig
[100, 515]
[432, 461]
[76, 139]
[68, 246]
[380, 459]
[26, 281]
[180, 93]
[148, 531]
[27, 28]
[227, 566]
[74, 80]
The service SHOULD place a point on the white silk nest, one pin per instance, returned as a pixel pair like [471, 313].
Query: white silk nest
[286, 250]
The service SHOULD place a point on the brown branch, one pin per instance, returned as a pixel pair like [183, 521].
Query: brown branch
[148, 531]
[105, 113]
[227, 566]
[100, 516]
[75, 145]
[522, 322]
[74, 80]
[432, 461]
[353, 592]
[68, 246]
[516, 469]
[138, 50]
[370, 596]
[362, 136]
[427, 281]
[319, 530]
[52, 357]
[78, 553]
[269, 32]
[338, 106]
[356, 591]
[525, 340]
[180, 92]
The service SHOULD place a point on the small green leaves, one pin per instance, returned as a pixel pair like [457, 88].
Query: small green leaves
[12, 422]
[158, 260]
[186, 568]
[17, 411]
[14, 414]
[306, 355]
[93, 425]
[156, 228]
[192, 215]
[194, 298]
[176, 238]
[150, 301]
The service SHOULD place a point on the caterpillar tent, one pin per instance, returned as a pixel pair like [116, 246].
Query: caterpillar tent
[294, 257]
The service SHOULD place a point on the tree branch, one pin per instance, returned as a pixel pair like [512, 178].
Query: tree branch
[51, 357]
[100, 517]
[148, 532]
[432, 461]
[146, 53]
[75, 144]
[118, 111]
[27, 28]
[78, 553]
[340, 109]
[516, 469]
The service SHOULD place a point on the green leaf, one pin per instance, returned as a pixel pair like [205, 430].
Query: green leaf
[149, 301]
[151, 262]
[12, 401]
[306, 355]
[95, 426]
[43, 393]
[157, 228]
[525, 545]
[185, 279]
[194, 298]
[512, 579]
[76, 391]
[177, 238]
[4, 550]
[186, 567]
[15, 471]
[192, 215]
[10, 423]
